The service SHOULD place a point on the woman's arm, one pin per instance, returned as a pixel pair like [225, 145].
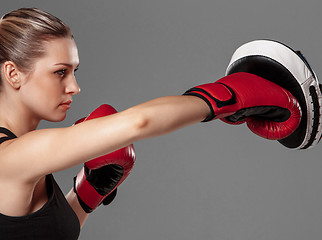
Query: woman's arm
[49, 150]
[167, 114]
[74, 203]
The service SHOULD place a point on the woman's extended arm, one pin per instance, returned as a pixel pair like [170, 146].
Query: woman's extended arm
[50, 150]
[166, 114]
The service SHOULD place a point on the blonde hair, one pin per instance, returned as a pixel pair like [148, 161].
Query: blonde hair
[23, 32]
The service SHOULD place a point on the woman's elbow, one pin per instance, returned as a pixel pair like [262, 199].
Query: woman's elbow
[140, 123]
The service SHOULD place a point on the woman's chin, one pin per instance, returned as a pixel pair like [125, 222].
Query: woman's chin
[57, 118]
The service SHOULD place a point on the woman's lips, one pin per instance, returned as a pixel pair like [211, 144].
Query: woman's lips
[66, 105]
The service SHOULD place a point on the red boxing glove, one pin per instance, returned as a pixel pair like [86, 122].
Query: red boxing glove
[99, 178]
[269, 110]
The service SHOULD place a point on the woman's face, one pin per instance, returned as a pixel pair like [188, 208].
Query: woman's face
[47, 91]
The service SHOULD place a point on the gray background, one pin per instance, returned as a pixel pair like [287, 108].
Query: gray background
[207, 181]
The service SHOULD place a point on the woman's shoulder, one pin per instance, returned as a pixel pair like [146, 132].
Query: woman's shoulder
[6, 137]
[29, 156]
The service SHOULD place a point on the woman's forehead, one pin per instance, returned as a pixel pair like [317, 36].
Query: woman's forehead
[61, 50]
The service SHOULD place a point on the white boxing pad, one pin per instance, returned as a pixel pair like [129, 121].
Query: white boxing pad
[289, 69]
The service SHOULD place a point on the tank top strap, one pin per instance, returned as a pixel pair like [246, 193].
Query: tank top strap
[10, 135]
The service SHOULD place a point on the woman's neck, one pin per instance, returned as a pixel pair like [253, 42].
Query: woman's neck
[16, 118]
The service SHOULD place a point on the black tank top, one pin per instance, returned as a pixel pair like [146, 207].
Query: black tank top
[56, 220]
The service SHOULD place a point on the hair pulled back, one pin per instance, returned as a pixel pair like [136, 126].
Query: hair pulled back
[23, 33]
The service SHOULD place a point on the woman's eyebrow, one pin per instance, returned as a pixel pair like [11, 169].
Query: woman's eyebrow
[66, 64]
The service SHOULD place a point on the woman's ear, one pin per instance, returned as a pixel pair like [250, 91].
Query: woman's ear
[11, 74]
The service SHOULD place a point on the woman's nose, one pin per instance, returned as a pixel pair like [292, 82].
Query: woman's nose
[72, 86]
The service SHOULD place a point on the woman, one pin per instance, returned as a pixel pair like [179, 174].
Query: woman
[38, 58]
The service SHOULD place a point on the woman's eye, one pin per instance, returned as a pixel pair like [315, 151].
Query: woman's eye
[61, 72]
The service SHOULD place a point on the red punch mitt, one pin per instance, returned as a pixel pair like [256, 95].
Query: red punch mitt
[97, 182]
[269, 110]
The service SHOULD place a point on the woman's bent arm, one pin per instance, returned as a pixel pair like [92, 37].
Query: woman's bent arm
[74, 203]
